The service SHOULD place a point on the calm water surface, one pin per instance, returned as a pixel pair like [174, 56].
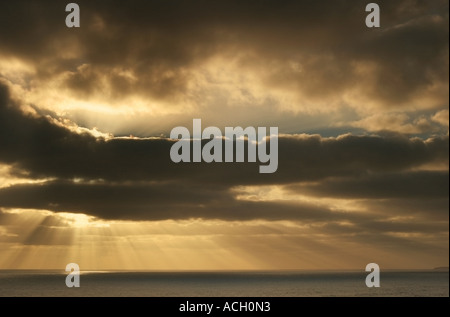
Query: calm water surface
[227, 284]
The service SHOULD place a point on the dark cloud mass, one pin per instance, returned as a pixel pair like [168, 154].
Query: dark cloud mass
[44, 149]
[161, 43]
[156, 202]
[135, 179]
[399, 185]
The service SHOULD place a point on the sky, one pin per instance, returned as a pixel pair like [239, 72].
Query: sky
[86, 115]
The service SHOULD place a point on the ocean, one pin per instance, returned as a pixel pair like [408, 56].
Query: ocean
[223, 284]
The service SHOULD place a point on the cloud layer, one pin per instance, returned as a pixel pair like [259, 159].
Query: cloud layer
[149, 66]
[130, 178]
[363, 116]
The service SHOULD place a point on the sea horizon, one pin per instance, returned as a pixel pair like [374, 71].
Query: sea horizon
[279, 283]
[436, 269]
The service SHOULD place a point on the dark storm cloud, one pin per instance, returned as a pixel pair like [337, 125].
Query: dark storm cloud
[405, 56]
[415, 185]
[155, 202]
[178, 202]
[161, 42]
[119, 201]
[41, 149]
[136, 180]
[422, 210]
